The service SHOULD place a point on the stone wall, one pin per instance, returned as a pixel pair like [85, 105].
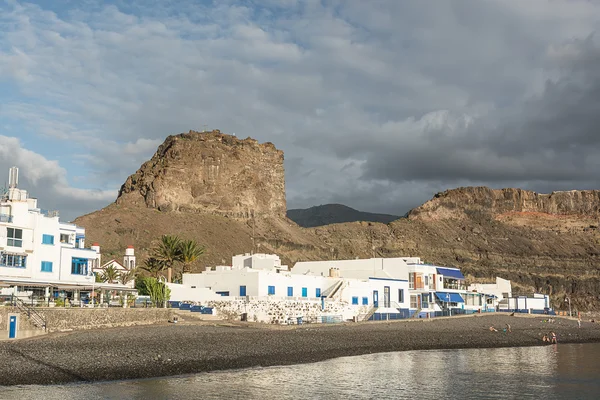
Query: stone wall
[279, 311]
[61, 319]
[23, 324]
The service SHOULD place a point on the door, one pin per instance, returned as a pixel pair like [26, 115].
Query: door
[386, 296]
[242, 291]
[12, 330]
[375, 298]
[419, 282]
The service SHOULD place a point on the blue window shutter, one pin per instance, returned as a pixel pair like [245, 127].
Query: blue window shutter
[318, 292]
[242, 291]
[271, 289]
[355, 300]
[47, 239]
[304, 292]
[46, 266]
[290, 291]
[365, 301]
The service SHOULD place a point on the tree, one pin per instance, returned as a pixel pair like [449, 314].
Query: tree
[168, 251]
[154, 267]
[190, 251]
[159, 292]
[127, 276]
[110, 274]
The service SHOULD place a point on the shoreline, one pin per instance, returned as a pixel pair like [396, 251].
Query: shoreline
[151, 351]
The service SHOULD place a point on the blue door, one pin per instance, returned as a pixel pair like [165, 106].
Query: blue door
[375, 298]
[12, 332]
[242, 291]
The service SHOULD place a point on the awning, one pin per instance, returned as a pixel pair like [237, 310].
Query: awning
[450, 273]
[449, 297]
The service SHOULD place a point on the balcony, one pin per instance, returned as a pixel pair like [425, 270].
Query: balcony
[6, 218]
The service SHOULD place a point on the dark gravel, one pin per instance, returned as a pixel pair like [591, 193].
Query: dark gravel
[163, 350]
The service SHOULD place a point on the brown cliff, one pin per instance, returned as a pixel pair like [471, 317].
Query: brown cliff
[469, 202]
[210, 172]
[545, 243]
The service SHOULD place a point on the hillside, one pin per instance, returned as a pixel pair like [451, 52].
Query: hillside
[549, 243]
[333, 214]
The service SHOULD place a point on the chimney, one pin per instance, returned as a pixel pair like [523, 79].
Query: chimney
[13, 177]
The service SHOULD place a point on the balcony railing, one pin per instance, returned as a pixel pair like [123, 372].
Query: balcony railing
[6, 218]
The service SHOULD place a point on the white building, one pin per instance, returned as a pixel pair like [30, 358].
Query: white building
[256, 276]
[39, 255]
[128, 264]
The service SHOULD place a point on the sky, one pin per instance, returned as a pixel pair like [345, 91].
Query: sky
[377, 104]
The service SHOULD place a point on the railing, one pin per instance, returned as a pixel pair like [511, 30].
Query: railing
[369, 314]
[6, 218]
[36, 318]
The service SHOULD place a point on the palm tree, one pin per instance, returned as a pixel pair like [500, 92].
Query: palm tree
[154, 267]
[190, 251]
[110, 274]
[127, 276]
[168, 251]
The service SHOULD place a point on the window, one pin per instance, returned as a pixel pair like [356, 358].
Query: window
[13, 260]
[411, 280]
[413, 301]
[14, 237]
[242, 291]
[46, 266]
[47, 239]
[79, 266]
[271, 289]
[290, 291]
[426, 280]
[64, 238]
[365, 301]
[304, 292]
[318, 292]
[400, 295]
[355, 300]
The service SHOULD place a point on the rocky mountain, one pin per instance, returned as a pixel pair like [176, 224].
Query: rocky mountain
[333, 214]
[210, 172]
[229, 195]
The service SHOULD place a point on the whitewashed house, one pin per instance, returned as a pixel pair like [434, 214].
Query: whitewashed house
[41, 256]
[128, 264]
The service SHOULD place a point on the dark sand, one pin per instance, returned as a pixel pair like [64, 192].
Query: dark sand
[174, 349]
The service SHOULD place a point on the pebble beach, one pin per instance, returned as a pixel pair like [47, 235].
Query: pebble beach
[192, 347]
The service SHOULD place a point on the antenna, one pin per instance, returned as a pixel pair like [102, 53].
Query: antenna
[13, 177]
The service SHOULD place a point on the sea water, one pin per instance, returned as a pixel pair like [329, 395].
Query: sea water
[564, 371]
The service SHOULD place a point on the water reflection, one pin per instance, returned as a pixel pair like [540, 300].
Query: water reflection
[549, 372]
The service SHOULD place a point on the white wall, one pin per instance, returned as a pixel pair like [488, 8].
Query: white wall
[499, 289]
[359, 269]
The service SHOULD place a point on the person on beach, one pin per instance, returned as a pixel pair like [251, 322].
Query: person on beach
[508, 328]
[492, 329]
[579, 321]
[553, 337]
[545, 339]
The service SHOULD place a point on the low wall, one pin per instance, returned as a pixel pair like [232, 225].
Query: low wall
[61, 319]
[278, 311]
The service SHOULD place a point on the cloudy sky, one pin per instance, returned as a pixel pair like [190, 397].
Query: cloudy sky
[377, 104]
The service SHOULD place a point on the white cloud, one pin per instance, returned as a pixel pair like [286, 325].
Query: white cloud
[45, 180]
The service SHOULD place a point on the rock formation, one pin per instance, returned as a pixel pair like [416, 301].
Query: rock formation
[210, 172]
[482, 201]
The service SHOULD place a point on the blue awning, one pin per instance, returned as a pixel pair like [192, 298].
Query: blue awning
[449, 297]
[450, 273]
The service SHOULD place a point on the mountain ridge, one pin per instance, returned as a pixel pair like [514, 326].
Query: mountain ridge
[333, 213]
